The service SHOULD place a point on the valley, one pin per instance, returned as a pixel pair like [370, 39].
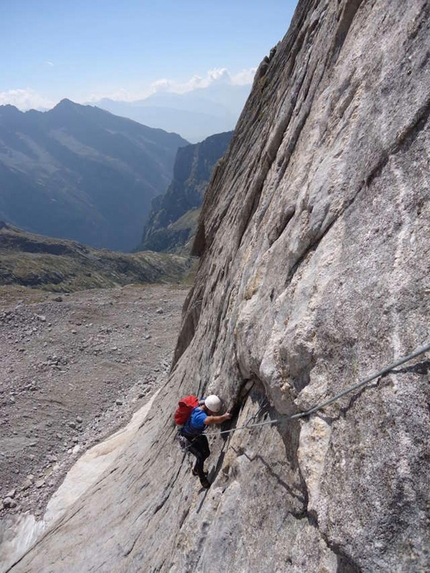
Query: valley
[79, 172]
[311, 228]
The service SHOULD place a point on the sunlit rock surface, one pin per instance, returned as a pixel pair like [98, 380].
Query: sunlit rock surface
[314, 273]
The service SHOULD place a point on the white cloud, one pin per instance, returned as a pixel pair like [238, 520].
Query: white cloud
[50, 64]
[25, 99]
[215, 76]
[244, 78]
[162, 85]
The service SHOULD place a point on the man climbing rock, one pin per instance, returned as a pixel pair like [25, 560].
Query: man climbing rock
[201, 417]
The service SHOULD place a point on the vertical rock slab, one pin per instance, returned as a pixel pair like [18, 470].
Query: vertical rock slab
[314, 273]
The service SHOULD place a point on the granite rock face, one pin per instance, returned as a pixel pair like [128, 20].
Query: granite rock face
[314, 273]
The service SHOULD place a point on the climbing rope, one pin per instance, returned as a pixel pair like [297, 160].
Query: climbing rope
[362, 383]
[343, 393]
[249, 427]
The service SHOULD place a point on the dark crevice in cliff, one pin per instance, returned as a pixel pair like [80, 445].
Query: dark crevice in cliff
[101, 567]
[290, 431]
[215, 329]
[252, 200]
[164, 566]
[403, 141]
[106, 476]
[199, 244]
[220, 461]
[343, 411]
[169, 436]
[310, 83]
[344, 563]
[293, 142]
[345, 21]
[191, 313]
[161, 504]
[295, 38]
[130, 547]
[301, 122]
[128, 550]
[420, 21]
[163, 501]
[276, 139]
[184, 516]
[302, 499]
[420, 368]
[168, 488]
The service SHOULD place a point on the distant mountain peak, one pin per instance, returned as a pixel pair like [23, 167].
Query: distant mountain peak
[9, 109]
[79, 172]
[66, 103]
[196, 114]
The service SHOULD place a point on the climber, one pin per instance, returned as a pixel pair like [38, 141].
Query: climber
[201, 416]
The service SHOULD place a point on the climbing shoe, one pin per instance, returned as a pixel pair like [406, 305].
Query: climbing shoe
[204, 482]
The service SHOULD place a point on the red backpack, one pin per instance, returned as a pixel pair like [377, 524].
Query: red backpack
[184, 409]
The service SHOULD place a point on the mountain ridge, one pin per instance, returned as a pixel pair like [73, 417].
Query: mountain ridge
[312, 276]
[82, 173]
[60, 265]
[196, 114]
[172, 222]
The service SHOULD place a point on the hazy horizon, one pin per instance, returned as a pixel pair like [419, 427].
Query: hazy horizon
[86, 52]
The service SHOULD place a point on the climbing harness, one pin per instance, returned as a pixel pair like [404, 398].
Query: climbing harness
[183, 443]
[334, 398]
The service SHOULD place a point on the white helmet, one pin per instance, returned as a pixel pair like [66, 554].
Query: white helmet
[213, 403]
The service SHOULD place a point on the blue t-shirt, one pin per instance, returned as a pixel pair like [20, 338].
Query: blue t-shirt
[196, 423]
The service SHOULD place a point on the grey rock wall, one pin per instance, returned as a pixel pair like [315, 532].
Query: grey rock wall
[314, 273]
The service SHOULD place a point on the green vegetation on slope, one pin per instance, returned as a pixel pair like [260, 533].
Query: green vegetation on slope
[66, 266]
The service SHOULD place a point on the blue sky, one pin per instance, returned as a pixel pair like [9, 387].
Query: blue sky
[125, 49]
